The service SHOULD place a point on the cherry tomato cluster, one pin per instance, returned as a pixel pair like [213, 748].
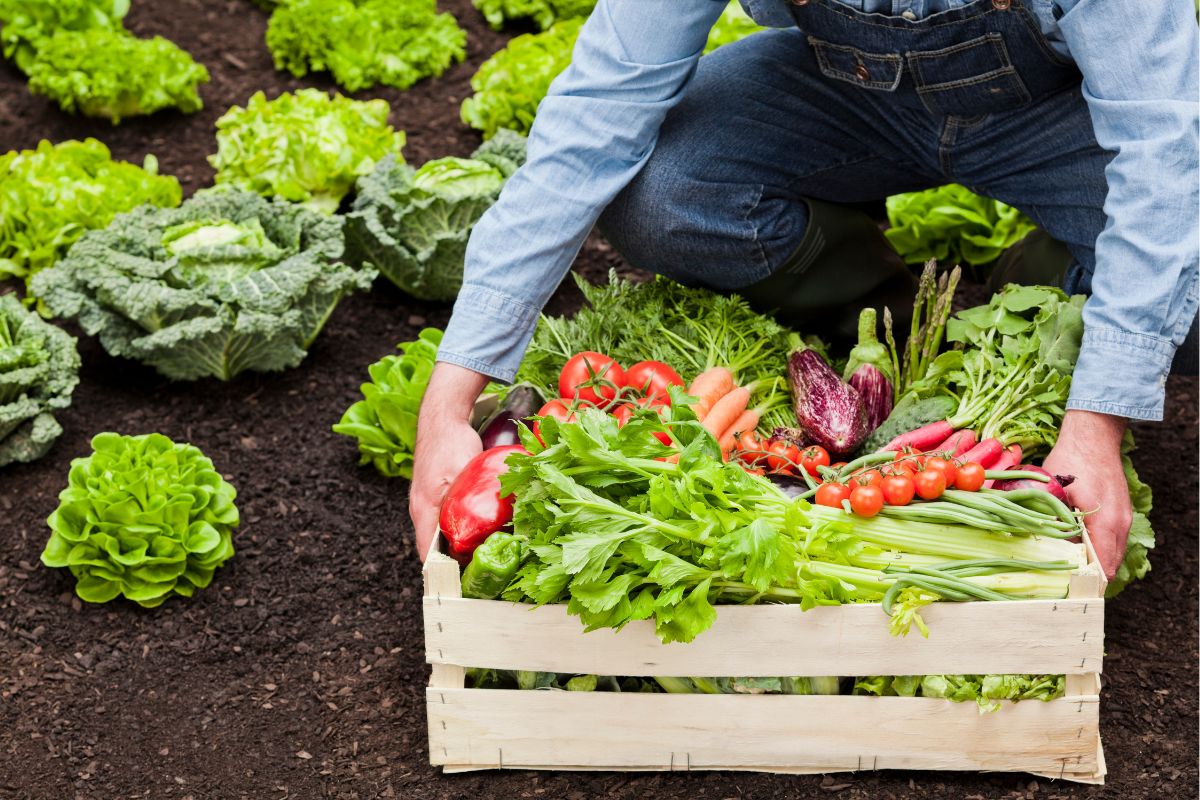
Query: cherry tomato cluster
[779, 456]
[593, 380]
[911, 475]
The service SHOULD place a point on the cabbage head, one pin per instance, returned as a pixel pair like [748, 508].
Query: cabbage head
[142, 517]
[39, 368]
[225, 283]
[413, 225]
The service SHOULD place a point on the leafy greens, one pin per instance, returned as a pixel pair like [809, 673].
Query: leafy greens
[39, 368]
[953, 225]
[305, 147]
[363, 43]
[142, 517]
[413, 225]
[385, 420]
[543, 13]
[985, 690]
[52, 195]
[227, 282]
[25, 24]
[733, 24]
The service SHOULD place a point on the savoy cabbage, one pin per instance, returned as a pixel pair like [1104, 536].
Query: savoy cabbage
[227, 282]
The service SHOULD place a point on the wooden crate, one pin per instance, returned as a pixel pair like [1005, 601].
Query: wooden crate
[472, 729]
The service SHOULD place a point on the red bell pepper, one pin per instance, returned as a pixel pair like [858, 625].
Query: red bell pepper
[473, 509]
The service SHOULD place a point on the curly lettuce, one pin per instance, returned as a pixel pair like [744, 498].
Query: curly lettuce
[363, 43]
[1136, 564]
[25, 24]
[144, 518]
[39, 368]
[953, 225]
[543, 13]
[54, 194]
[385, 421]
[510, 84]
[225, 283]
[113, 75]
[306, 147]
[413, 225]
[984, 690]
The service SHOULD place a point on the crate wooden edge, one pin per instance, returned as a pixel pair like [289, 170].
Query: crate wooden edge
[441, 577]
[573, 730]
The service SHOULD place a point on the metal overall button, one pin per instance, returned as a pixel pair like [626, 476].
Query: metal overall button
[799, 2]
[862, 73]
[1001, 5]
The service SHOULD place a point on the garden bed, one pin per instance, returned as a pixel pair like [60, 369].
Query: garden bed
[300, 673]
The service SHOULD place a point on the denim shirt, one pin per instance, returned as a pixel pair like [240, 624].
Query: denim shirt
[600, 121]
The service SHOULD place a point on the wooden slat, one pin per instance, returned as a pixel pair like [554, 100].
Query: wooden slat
[1027, 636]
[442, 581]
[492, 729]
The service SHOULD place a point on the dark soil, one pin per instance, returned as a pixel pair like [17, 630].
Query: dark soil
[299, 673]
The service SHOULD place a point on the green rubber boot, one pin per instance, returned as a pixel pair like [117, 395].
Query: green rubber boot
[843, 264]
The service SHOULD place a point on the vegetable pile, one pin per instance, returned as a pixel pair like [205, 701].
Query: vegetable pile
[78, 53]
[39, 368]
[53, 194]
[413, 225]
[227, 282]
[305, 147]
[142, 517]
[363, 43]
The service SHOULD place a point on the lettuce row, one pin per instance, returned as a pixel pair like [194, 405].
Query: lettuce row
[306, 147]
[54, 194]
[413, 225]
[79, 54]
[142, 517]
[39, 368]
[363, 43]
[228, 282]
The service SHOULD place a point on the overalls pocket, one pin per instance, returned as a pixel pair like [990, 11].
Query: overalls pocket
[968, 79]
[869, 70]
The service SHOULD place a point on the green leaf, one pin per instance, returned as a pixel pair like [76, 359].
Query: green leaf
[542, 13]
[689, 618]
[758, 554]
[953, 225]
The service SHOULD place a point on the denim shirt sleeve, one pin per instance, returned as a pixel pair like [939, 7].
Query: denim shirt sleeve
[593, 132]
[1139, 64]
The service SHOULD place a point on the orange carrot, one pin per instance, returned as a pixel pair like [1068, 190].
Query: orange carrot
[726, 410]
[709, 387]
[748, 421]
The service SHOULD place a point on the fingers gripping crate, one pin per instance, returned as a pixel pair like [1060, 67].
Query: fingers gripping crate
[472, 729]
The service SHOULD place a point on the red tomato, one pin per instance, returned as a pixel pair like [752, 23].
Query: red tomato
[813, 457]
[871, 477]
[623, 413]
[555, 408]
[749, 448]
[945, 466]
[866, 501]
[898, 490]
[832, 494]
[838, 464]
[652, 378]
[590, 376]
[970, 477]
[782, 457]
[930, 484]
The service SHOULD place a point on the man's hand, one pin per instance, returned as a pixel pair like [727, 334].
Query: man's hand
[1089, 447]
[445, 443]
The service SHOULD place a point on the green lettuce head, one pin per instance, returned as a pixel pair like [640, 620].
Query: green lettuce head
[953, 225]
[142, 517]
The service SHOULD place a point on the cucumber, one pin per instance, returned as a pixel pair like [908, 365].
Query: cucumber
[909, 414]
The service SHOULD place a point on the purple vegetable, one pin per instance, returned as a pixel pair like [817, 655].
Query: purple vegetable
[876, 392]
[831, 413]
[500, 430]
[1054, 486]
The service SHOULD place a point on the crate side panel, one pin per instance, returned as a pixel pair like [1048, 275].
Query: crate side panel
[1027, 636]
[560, 730]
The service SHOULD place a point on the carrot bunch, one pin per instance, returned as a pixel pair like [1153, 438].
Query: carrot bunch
[723, 407]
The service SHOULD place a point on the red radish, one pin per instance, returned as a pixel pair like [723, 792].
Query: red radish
[924, 438]
[1054, 486]
[1009, 458]
[957, 444]
[986, 453]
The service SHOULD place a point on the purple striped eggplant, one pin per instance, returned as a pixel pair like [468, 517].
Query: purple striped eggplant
[831, 413]
[876, 392]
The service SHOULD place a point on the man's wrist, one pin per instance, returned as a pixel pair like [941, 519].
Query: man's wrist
[1103, 430]
[452, 392]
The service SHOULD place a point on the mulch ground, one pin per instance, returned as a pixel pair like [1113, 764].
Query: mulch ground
[299, 673]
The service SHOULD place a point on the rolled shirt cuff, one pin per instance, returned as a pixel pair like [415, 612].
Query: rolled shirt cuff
[488, 332]
[1121, 373]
